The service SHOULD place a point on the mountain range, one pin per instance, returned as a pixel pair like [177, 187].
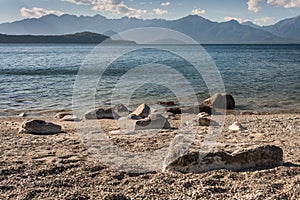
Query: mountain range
[202, 30]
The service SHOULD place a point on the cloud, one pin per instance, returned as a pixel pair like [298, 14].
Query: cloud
[264, 21]
[38, 12]
[166, 3]
[254, 7]
[198, 11]
[80, 2]
[159, 11]
[240, 20]
[293, 4]
[116, 7]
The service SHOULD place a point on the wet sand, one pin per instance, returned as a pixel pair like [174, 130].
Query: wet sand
[60, 167]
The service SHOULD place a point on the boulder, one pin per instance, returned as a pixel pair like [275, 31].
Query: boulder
[61, 115]
[265, 156]
[236, 127]
[120, 110]
[143, 111]
[220, 100]
[101, 113]
[39, 127]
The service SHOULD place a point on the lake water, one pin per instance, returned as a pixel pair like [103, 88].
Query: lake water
[40, 77]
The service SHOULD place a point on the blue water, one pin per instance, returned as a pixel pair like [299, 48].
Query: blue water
[40, 77]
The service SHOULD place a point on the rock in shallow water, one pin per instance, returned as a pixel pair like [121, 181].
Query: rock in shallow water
[39, 127]
[258, 157]
[220, 100]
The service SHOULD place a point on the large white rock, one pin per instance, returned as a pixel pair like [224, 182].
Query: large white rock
[257, 157]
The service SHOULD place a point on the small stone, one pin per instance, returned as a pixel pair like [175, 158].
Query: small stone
[143, 111]
[61, 115]
[23, 114]
[236, 126]
[71, 118]
[39, 127]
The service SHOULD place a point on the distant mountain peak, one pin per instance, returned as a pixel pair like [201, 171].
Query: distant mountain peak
[195, 26]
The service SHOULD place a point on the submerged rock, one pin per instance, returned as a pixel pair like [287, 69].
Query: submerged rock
[39, 127]
[220, 100]
[258, 157]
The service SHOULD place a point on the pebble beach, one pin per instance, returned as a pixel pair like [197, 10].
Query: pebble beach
[59, 166]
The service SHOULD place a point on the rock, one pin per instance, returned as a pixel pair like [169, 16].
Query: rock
[71, 118]
[143, 111]
[23, 114]
[61, 115]
[265, 156]
[158, 121]
[236, 126]
[204, 119]
[166, 103]
[189, 109]
[120, 110]
[39, 127]
[169, 115]
[101, 113]
[134, 116]
[220, 100]
[154, 121]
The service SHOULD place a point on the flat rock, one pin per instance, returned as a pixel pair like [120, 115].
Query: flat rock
[220, 100]
[265, 156]
[39, 127]
[204, 119]
[143, 111]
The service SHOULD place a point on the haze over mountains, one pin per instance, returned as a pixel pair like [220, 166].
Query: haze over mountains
[199, 28]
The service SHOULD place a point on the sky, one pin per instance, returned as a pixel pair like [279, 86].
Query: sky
[261, 12]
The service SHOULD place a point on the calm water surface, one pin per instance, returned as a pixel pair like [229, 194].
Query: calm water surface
[39, 77]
